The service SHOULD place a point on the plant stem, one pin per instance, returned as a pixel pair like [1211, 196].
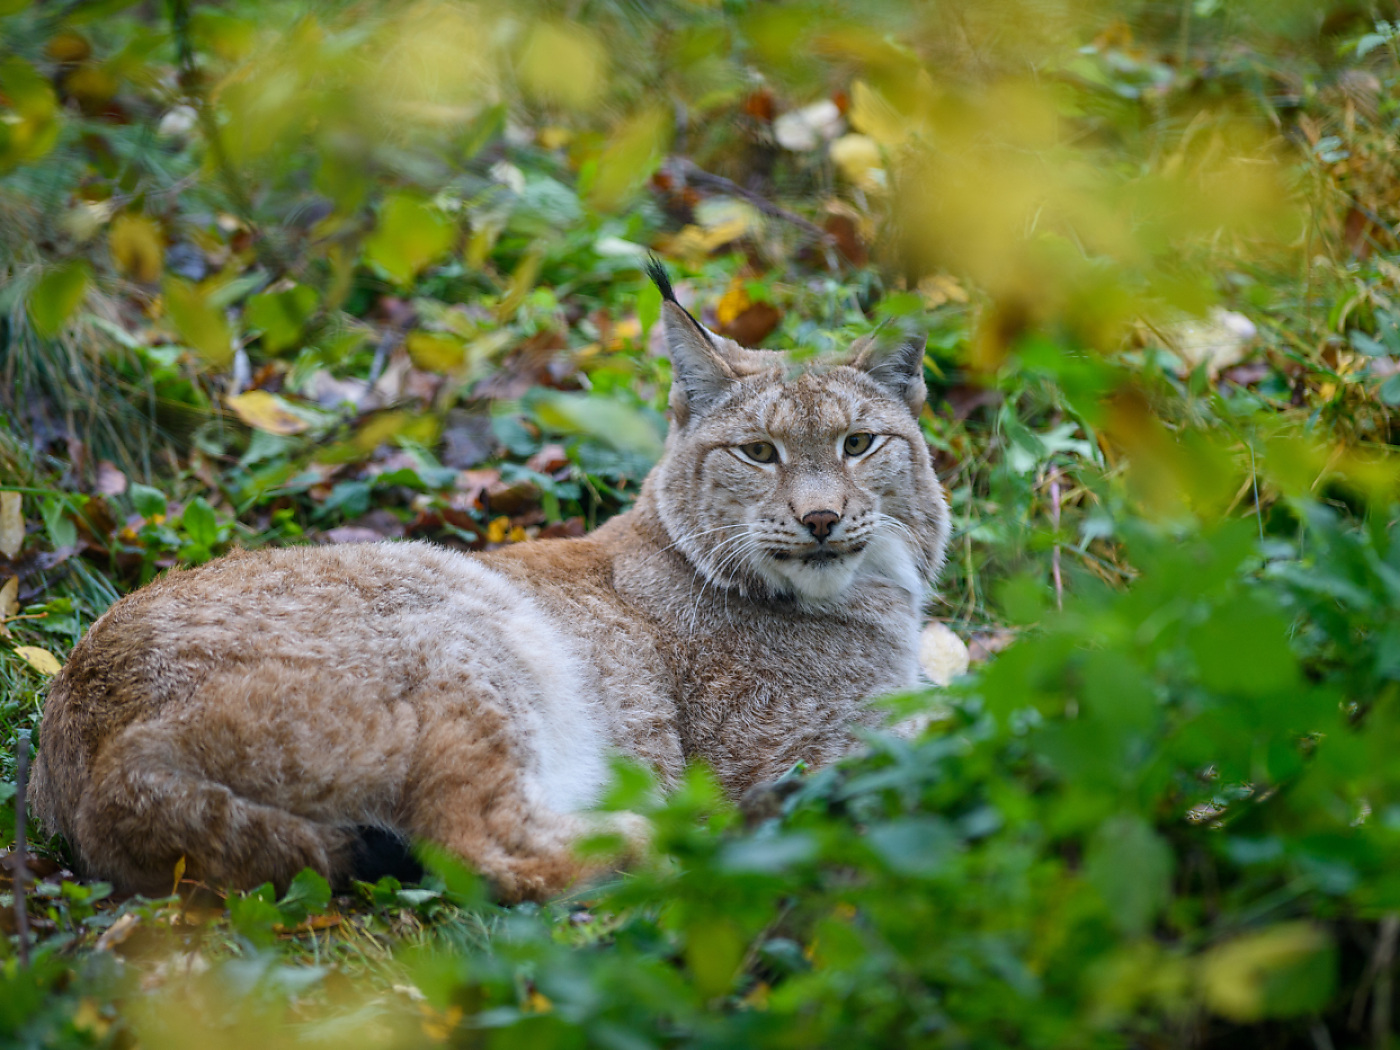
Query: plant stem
[21, 869]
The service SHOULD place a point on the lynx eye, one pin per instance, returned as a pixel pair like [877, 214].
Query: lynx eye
[760, 451]
[857, 444]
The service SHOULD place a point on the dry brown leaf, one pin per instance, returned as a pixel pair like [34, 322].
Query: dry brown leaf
[41, 660]
[9, 598]
[110, 480]
[117, 932]
[11, 523]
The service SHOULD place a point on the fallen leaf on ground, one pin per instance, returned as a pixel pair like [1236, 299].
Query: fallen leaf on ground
[11, 523]
[267, 412]
[9, 597]
[41, 660]
[117, 932]
[982, 647]
[110, 480]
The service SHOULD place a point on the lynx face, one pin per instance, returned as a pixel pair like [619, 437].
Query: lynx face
[797, 486]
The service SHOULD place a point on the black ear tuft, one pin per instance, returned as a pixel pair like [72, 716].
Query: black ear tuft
[658, 276]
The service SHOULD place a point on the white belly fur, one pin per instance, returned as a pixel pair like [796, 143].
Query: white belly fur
[562, 722]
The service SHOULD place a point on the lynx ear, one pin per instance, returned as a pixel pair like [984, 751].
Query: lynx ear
[700, 373]
[896, 362]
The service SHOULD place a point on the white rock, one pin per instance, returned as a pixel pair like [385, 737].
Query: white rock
[178, 121]
[807, 128]
[942, 654]
[1218, 342]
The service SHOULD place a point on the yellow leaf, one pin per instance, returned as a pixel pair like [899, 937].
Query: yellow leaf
[857, 157]
[179, 874]
[267, 412]
[57, 295]
[410, 234]
[537, 1003]
[630, 159]
[758, 996]
[1282, 971]
[938, 289]
[726, 232]
[562, 63]
[873, 116]
[439, 1026]
[41, 660]
[9, 598]
[435, 353]
[522, 282]
[554, 137]
[732, 303]
[135, 244]
[88, 1018]
[498, 530]
[11, 523]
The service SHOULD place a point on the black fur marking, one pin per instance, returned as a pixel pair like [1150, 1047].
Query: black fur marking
[657, 272]
[378, 852]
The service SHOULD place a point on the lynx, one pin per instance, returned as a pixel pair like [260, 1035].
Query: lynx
[276, 710]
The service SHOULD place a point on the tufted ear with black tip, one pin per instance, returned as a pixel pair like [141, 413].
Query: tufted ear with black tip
[700, 375]
[895, 361]
[700, 371]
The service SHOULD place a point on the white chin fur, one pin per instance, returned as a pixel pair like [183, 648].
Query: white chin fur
[887, 557]
[819, 582]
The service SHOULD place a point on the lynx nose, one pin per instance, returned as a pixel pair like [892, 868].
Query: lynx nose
[820, 522]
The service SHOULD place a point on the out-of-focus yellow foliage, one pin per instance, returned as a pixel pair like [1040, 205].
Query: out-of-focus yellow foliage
[630, 157]
[135, 244]
[1282, 971]
[562, 63]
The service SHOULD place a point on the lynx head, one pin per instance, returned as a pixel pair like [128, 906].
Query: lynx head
[797, 485]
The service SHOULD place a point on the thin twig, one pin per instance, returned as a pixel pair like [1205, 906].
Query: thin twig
[21, 869]
[1385, 966]
[1376, 982]
[1055, 524]
[697, 176]
[213, 137]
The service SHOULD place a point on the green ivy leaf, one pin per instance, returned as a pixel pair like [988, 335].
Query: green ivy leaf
[201, 524]
[309, 894]
[57, 296]
[149, 502]
[281, 316]
[411, 234]
[201, 324]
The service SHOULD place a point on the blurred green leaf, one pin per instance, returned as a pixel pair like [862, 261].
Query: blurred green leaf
[202, 325]
[409, 235]
[281, 315]
[57, 295]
